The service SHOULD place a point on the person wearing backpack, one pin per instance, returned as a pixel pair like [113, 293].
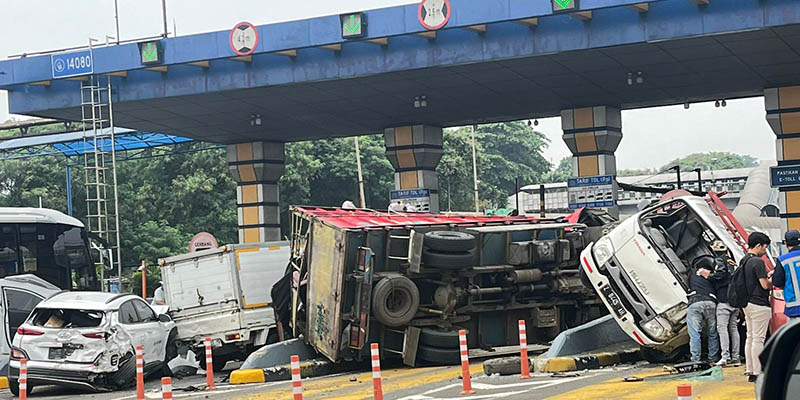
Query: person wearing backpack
[757, 312]
[790, 268]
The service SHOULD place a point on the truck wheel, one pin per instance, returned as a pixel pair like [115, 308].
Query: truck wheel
[438, 338]
[656, 356]
[449, 241]
[395, 300]
[438, 356]
[438, 259]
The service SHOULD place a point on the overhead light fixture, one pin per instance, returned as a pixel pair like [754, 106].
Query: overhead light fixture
[536, 122]
[716, 104]
[530, 123]
[639, 78]
[420, 101]
[686, 105]
[255, 119]
[724, 103]
[630, 78]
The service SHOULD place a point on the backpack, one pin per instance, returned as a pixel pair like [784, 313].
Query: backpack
[738, 295]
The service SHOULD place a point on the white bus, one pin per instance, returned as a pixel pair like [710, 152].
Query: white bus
[46, 243]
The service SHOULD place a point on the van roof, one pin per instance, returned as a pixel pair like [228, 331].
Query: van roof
[28, 215]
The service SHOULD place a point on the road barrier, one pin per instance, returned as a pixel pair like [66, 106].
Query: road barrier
[166, 388]
[377, 388]
[209, 366]
[524, 366]
[139, 373]
[297, 388]
[23, 379]
[465, 379]
[685, 392]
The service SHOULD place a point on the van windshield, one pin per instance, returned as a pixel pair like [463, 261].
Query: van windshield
[66, 318]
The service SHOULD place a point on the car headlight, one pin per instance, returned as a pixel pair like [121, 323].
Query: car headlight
[602, 250]
[655, 329]
[677, 314]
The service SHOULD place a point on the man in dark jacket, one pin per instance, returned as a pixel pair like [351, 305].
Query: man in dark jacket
[702, 308]
[726, 314]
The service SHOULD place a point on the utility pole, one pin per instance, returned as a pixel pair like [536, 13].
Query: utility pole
[116, 17]
[363, 203]
[699, 180]
[164, 14]
[475, 170]
[677, 169]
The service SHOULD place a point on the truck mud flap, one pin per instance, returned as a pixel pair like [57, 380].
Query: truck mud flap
[410, 346]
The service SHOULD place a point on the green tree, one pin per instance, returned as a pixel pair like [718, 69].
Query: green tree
[712, 160]
[560, 173]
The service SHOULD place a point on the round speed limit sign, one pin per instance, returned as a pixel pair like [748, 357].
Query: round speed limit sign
[434, 14]
[244, 38]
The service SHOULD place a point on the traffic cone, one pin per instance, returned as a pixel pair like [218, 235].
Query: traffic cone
[297, 388]
[209, 366]
[23, 379]
[139, 373]
[376, 372]
[166, 388]
[465, 379]
[525, 372]
[685, 392]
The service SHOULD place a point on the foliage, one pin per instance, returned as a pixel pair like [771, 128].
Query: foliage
[712, 161]
[153, 278]
[560, 173]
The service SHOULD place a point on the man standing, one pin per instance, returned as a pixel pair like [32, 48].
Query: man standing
[787, 275]
[757, 312]
[702, 309]
[726, 313]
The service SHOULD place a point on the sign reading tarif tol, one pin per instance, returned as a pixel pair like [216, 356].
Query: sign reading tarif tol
[564, 5]
[434, 14]
[72, 64]
[591, 191]
[353, 25]
[244, 38]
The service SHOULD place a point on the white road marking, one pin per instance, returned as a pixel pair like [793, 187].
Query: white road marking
[529, 385]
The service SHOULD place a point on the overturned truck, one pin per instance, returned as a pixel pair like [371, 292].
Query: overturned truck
[411, 281]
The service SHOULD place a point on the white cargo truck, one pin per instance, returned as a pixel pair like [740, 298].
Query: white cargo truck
[224, 294]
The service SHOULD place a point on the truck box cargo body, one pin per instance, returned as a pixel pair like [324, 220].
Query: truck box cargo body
[224, 294]
[410, 281]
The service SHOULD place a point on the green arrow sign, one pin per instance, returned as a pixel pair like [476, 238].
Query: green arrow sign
[559, 5]
[150, 53]
[352, 25]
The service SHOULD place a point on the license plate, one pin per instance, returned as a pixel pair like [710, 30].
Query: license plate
[57, 353]
[613, 300]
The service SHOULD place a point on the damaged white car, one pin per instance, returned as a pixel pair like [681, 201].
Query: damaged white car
[88, 339]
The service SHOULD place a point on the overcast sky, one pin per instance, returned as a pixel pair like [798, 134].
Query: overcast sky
[652, 136]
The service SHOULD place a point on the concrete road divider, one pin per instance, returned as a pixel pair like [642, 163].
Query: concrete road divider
[505, 366]
[310, 368]
[585, 361]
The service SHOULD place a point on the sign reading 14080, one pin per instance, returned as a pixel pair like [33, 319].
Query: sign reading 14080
[564, 5]
[72, 64]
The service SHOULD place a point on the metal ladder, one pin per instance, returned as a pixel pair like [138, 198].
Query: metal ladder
[100, 166]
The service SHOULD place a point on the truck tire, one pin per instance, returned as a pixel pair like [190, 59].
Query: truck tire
[395, 300]
[438, 356]
[438, 338]
[433, 258]
[449, 241]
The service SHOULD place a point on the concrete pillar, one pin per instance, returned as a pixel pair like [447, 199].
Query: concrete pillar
[593, 135]
[414, 152]
[783, 116]
[257, 167]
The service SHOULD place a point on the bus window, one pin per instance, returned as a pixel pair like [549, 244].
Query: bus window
[8, 250]
[28, 243]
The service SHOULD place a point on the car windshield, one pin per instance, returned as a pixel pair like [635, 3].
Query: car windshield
[66, 318]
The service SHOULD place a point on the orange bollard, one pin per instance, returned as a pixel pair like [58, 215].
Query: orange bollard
[166, 388]
[525, 371]
[465, 379]
[23, 379]
[377, 388]
[685, 392]
[139, 373]
[209, 366]
[297, 388]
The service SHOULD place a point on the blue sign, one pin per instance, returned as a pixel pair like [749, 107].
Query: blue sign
[591, 191]
[784, 176]
[72, 64]
[409, 194]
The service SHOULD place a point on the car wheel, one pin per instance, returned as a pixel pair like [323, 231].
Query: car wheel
[13, 386]
[438, 356]
[449, 241]
[170, 353]
[218, 363]
[433, 258]
[434, 337]
[395, 300]
[125, 376]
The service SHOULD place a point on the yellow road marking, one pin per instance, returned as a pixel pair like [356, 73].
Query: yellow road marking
[340, 388]
[735, 386]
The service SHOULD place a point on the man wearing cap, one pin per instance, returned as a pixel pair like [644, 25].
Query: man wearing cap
[787, 276]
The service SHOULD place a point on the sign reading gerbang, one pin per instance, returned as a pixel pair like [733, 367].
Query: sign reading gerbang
[72, 64]
[591, 191]
[784, 176]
